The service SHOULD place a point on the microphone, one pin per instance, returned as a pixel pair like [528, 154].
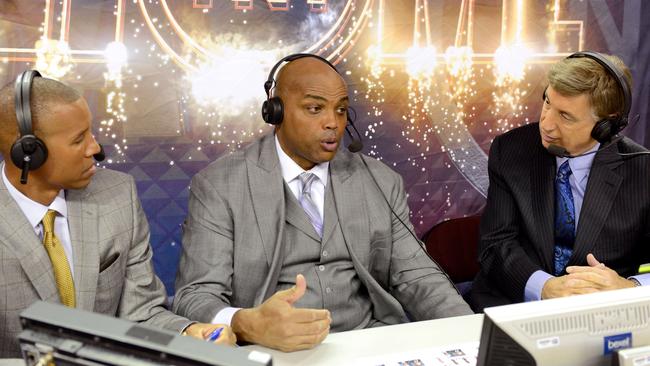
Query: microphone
[561, 152]
[356, 145]
[100, 156]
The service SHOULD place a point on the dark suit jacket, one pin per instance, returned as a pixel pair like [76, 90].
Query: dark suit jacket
[517, 225]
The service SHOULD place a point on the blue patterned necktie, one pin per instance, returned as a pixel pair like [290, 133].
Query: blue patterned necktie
[307, 202]
[565, 219]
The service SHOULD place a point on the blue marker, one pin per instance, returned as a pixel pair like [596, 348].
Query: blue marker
[214, 335]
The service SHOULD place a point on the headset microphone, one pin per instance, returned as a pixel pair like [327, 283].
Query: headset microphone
[356, 144]
[101, 155]
[561, 152]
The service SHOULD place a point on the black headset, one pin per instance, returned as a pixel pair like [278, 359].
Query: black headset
[608, 127]
[29, 152]
[273, 108]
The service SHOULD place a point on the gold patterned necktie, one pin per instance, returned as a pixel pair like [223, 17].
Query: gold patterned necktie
[62, 273]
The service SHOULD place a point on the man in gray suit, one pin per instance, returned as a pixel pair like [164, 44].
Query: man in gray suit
[291, 236]
[93, 252]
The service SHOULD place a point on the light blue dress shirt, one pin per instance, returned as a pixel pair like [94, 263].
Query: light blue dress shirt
[580, 168]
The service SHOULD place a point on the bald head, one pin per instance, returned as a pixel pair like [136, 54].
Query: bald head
[315, 101]
[297, 74]
[45, 94]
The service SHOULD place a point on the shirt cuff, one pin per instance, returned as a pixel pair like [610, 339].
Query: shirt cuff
[644, 279]
[224, 316]
[535, 284]
[187, 326]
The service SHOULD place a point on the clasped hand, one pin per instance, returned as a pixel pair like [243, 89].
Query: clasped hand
[594, 277]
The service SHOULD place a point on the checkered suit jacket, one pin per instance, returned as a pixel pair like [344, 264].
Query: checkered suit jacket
[113, 271]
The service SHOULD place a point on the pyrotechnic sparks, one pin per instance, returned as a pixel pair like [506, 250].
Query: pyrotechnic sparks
[53, 57]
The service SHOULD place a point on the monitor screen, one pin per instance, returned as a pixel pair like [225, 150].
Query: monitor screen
[65, 336]
[574, 331]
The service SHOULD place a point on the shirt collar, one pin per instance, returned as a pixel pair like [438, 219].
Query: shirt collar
[33, 210]
[291, 170]
[581, 165]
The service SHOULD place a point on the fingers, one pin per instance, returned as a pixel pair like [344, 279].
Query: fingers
[600, 268]
[309, 315]
[227, 337]
[592, 261]
[295, 293]
[302, 342]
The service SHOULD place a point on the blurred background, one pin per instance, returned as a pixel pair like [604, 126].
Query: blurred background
[175, 84]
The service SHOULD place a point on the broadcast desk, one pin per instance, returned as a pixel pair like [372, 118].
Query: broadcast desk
[343, 348]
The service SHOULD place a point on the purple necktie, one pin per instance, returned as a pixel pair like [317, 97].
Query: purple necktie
[307, 202]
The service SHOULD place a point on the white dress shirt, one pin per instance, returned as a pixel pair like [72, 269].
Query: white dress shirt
[34, 212]
[290, 172]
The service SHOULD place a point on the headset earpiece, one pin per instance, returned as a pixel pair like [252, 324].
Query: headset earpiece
[273, 111]
[28, 152]
[272, 108]
[607, 128]
[31, 148]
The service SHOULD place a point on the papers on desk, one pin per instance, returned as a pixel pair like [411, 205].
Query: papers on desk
[461, 354]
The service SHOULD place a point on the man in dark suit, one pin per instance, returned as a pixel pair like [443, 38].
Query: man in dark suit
[579, 221]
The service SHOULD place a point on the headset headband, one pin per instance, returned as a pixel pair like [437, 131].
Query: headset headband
[269, 81]
[613, 71]
[22, 101]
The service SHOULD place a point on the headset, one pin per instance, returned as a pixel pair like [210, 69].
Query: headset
[273, 108]
[29, 152]
[273, 113]
[608, 127]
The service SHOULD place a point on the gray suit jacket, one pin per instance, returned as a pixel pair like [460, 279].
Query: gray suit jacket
[232, 241]
[113, 271]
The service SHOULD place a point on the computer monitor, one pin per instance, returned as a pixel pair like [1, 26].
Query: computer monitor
[75, 337]
[574, 331]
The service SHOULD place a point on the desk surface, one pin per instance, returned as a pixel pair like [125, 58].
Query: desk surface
[343, 348]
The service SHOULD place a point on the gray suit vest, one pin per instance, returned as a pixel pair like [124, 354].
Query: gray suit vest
[332, 281]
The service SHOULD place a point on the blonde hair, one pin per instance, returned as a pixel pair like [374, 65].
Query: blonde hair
[580, 75]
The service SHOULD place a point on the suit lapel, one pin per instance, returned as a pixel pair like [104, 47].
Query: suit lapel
[83, 223]
[330, 219]
[602, 187]
[267, 193]
[19, 236]
[296, 215]
[348, 194]
[542, 192]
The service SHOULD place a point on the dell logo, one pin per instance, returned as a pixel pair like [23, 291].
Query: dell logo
[616, 342]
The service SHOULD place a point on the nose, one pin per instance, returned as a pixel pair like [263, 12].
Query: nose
[547, 120]
[331, 121]
[93, 147]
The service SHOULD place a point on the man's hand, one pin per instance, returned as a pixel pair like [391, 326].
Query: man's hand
[598, 276]
[202, 331]
[277, 324]
[584, 280]
[565, 286]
